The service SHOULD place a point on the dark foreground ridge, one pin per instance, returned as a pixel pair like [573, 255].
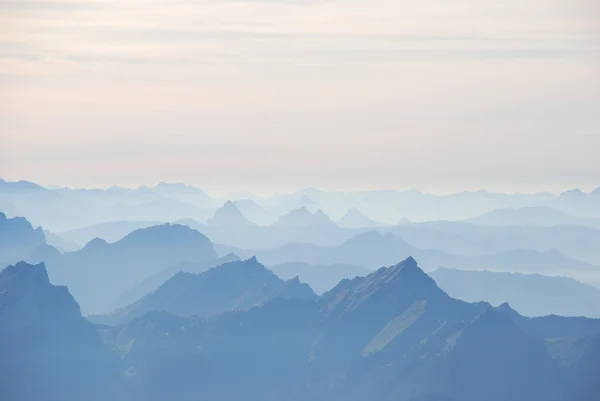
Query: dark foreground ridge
[392, 335]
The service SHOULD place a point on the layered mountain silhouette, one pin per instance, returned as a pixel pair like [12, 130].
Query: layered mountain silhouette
[533, 216]
[254, 212]
[111, 231]
[151, 283]
[354, 218]
[232, 286]
[19, 241]
[321, 278]
[49, 351]
[392, 335]
[229, 216]
[100, 272]
[529, 294]
[303, 217]
[374, 249]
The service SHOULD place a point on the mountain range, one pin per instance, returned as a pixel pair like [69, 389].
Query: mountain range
[62, 209]
[354, 218]
[100, 272]
[374, 249]
[533, 216]
[232, 286]
[392, 335]
[529, 294]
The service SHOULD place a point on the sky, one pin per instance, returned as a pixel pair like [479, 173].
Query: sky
[272, 95]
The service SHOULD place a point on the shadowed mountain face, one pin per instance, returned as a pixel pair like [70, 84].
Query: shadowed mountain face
[530, 295]
[232, 286]
[393, 335]
[100, 272]
[49, 351]
[151, 283]
[20, 241]
[390, 336]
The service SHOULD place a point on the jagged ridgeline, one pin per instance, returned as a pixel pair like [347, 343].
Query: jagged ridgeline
[237, 332]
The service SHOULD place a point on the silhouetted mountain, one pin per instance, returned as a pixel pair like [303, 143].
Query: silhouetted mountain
[460, 238]
[111, 231]
[60, 243]
[229, 216]
[390, 336]
[19, 241]
[184, 193]
[232, 286]
[254, 212]
[20, 186]
[100, 272]
[303, 218]
[49, 351]
[374, 249]
[321, 278]
[393, 335]
[530, 295]
[354, 218]
[150, 284]
[533, 216]
[371, 249]
[286, 204]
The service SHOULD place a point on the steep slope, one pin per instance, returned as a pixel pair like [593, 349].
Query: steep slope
[371, 249]
[100, 272]
[49, 351]
[254, 212]
[111, 231]
[151, 283]
[530, 295]
[321, 278]
[18, 240]
[393, 335]
[229, 216]
[374, 249]
[232, 286]
[354, 218]
[303, 217]
[61, 244]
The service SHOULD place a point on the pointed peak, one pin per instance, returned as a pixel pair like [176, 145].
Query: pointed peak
[408, 265]
[25, 272]
[96, 242]
[229, 204]
[252, 260]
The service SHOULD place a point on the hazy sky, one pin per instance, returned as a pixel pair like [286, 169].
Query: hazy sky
[278, 94]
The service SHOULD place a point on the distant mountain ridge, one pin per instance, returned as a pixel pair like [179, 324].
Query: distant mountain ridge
[354, 218]
[302, 217]
[529, 294]
[49, 351]
[232, 286]
[392, 335]
[100, 272]
[536, 216]
[229, 216]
